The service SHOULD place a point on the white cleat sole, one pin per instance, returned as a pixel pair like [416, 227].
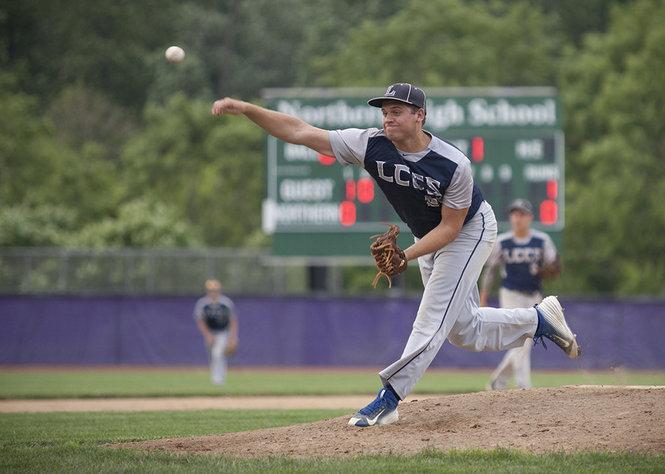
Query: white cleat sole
[553, 312]
[392, 417]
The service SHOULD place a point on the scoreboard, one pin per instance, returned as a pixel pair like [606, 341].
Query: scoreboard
[317, 208]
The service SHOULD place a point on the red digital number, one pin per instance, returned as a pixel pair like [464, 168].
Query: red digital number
[549, 212]
[365, 190]
[350, 190]
[347, 213]
[477, 149]
[552, 188]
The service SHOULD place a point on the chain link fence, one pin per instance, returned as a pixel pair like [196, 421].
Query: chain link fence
[144, 271]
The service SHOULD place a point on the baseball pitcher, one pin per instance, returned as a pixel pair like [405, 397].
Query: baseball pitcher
[430, 185]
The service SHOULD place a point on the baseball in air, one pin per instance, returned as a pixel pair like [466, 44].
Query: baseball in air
[175, 54]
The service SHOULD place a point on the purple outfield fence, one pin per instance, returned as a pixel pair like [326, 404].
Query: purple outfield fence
[296, 331]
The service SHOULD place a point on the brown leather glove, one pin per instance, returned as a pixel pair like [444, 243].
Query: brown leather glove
[390, 259]
[231, 347]
[550, 270]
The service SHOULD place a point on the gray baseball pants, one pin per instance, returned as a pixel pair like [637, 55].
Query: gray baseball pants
[449, 306]
[218, 363]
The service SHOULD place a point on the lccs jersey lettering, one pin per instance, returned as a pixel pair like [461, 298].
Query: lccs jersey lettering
[415, 184]
[520, 260]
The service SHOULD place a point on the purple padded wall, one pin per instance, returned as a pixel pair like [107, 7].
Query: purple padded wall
[296, 331]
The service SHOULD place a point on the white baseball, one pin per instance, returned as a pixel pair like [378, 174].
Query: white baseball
[175, 54]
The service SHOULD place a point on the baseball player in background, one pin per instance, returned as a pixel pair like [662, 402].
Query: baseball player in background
[430, 185]
[525, 256]
[216, 319]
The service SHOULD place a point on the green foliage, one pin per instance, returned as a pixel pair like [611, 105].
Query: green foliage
[576, 19]
[326, 31]
[101, 44]
[139, 223]
[19, 132]
[615, 100]
[249, 45]
[210, 170]
[83, 117]
[188, 78]
[448, 42]
[23, 226]
[36, 169]
[232, 187]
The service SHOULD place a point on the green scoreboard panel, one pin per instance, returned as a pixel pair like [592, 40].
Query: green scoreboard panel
[315, 207]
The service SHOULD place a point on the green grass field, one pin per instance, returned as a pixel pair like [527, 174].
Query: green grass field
[75, 442]
[86, 383]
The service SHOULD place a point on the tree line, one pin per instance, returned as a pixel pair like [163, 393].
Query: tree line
[104, 144]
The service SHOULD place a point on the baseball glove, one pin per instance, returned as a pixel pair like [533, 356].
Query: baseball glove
[550, 270]
[389, 258]
[231, 347]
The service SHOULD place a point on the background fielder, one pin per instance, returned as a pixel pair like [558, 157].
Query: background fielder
[216, 319]
[522, 254]
[430, 185]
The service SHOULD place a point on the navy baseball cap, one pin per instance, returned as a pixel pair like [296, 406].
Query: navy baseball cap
[521, 205]
[401, 92]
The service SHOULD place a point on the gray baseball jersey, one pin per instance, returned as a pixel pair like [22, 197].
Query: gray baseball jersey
[216, 315]
[520, 259]
[415, 184]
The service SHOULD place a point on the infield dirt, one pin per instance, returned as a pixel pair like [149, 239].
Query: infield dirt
[566, 419]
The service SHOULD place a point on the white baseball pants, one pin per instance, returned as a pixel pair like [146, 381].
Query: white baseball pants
[517, 361]
[449, 306]
[218, 358]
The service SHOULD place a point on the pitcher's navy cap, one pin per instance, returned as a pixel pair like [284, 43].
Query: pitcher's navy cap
[521, 205]
[401, 92]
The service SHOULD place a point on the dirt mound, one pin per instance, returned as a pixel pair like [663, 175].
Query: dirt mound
[564, 419]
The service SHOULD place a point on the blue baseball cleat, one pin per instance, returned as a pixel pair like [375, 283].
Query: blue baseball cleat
[382, 411]
[553, 326]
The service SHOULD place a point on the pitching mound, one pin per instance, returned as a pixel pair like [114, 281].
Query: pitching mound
[567, 419]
